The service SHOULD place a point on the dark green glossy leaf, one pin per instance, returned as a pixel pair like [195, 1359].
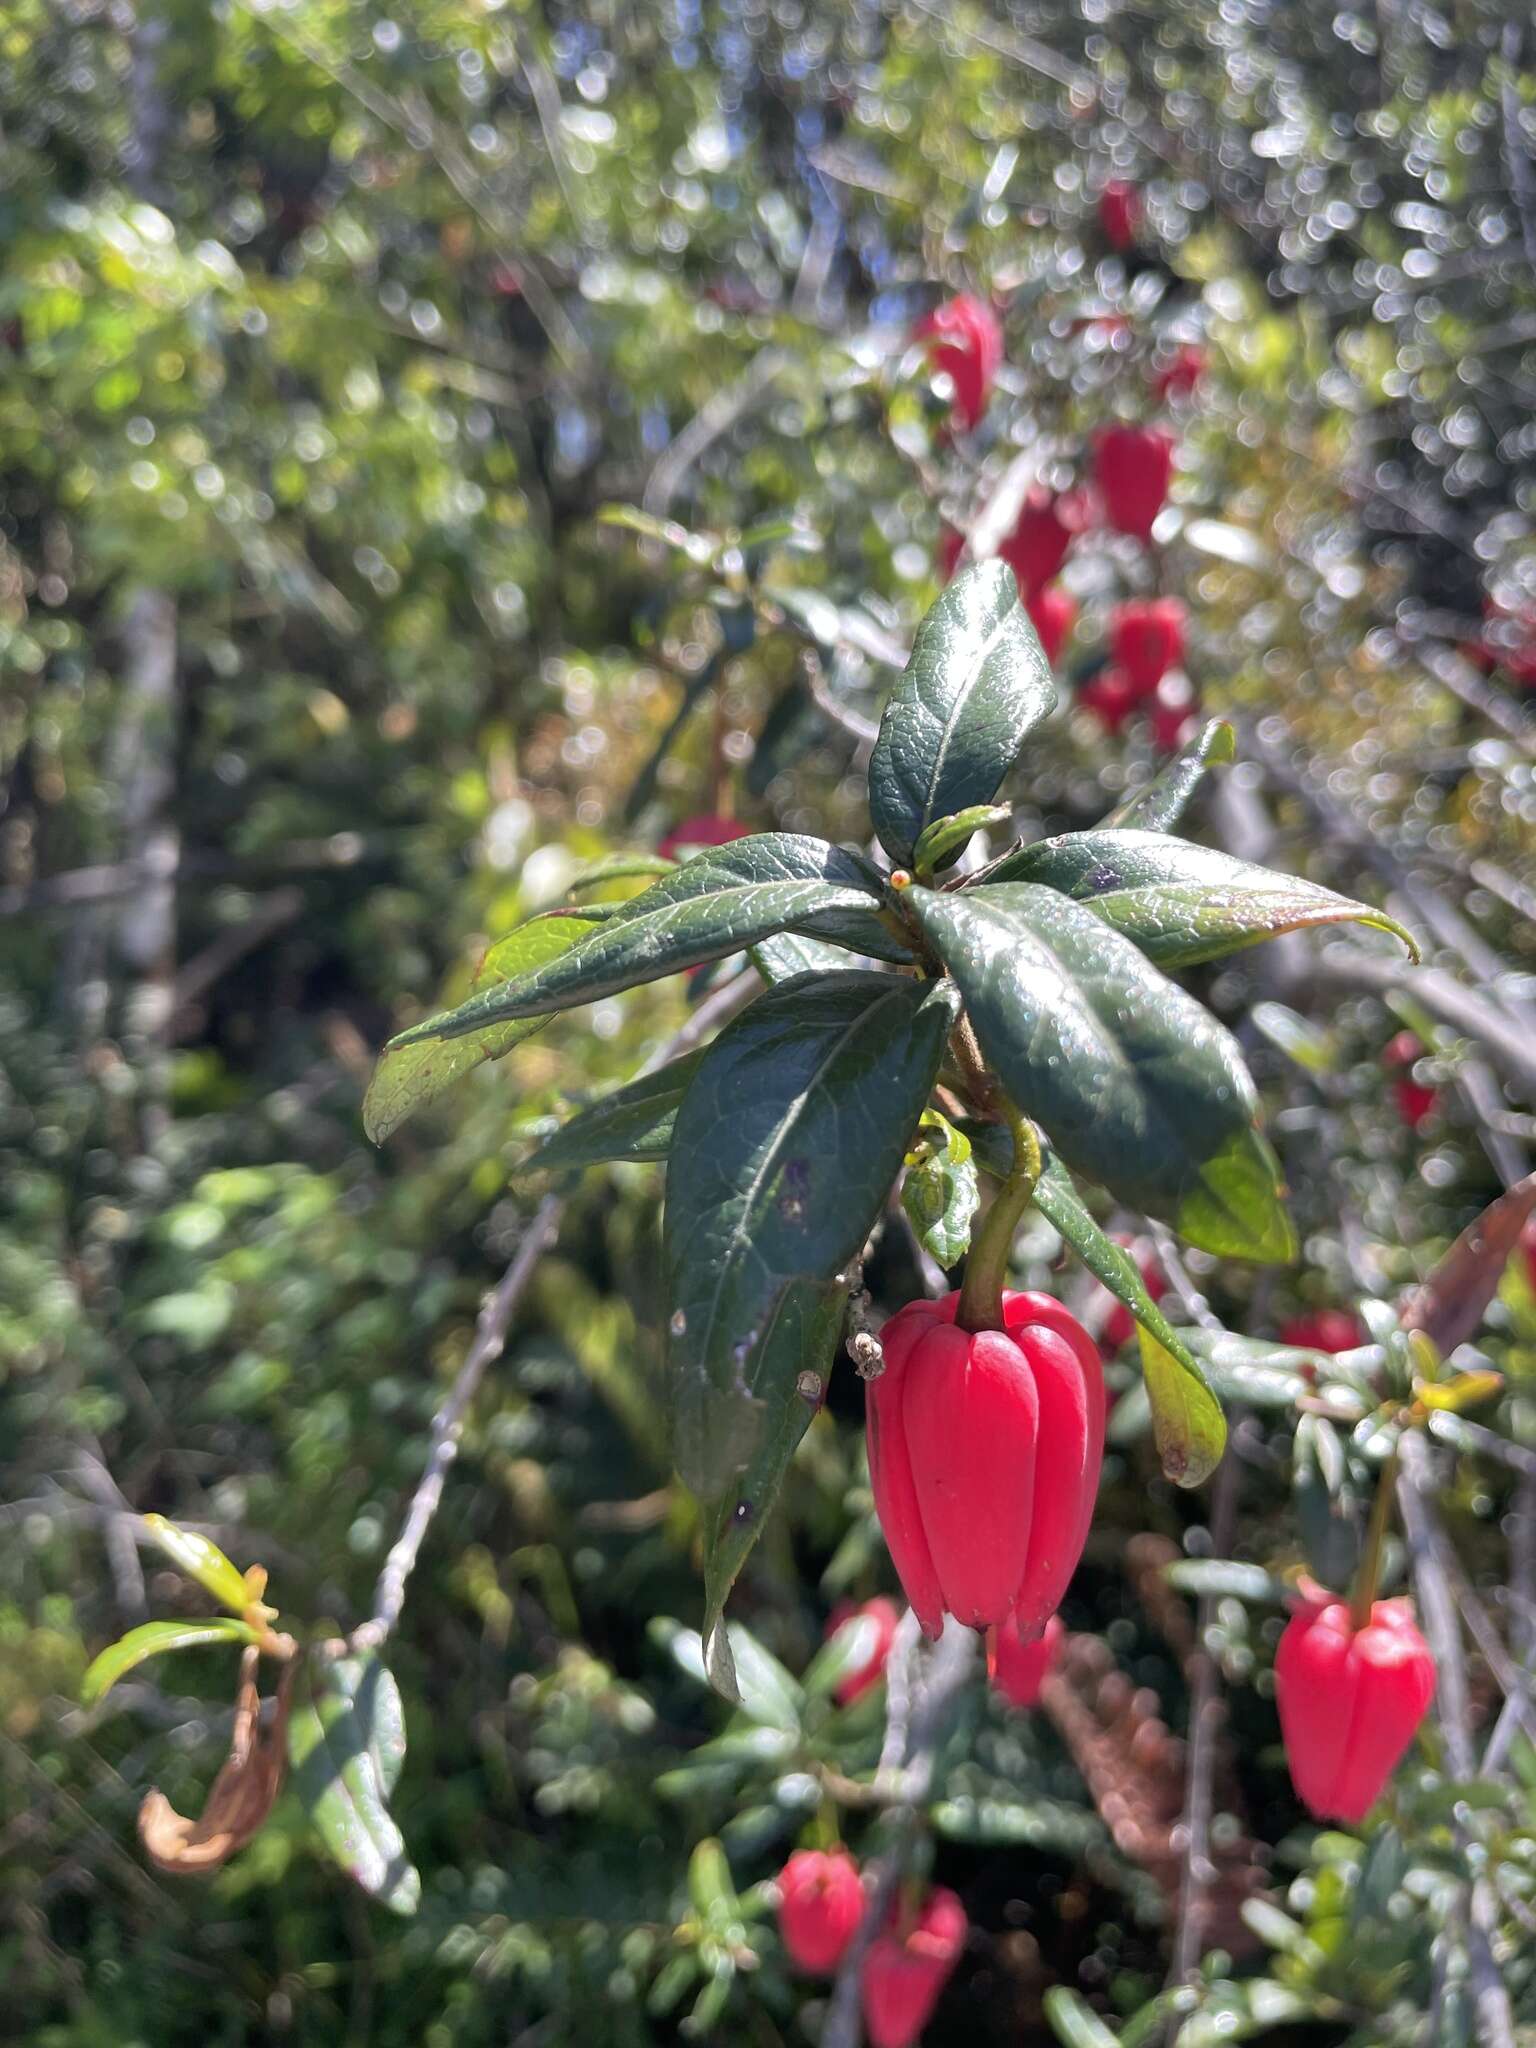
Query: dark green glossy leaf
[785, 1148]
[346, 1742]
[202, 1561]
[798, 1348]
[940, 1193]
[712, 905]
[634, 1122]
[947, 837]
[786, 954]
[1179, 902]
[154, 1639]
[1187, 1423]
[1135, 1083]
[1159, 804]
[977, 683]
[411, 1072]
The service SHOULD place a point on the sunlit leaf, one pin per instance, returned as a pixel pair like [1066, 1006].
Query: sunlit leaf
[346, 1743]
[154, 1639]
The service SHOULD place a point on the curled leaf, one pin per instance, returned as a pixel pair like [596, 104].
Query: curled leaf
[201, 1560]
[240, 1797]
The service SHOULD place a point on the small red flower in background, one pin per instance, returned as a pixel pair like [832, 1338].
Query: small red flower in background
[1132, 467]
[1120, 213]
[947, 556]
[1111, 696]
[984, 1455]
[1178, 377]
[821, 1902]
[905, 1972]
[1052, 613]
[703, 831]
[1509, 642]
[1047, 525]
[1019, 1669]
[1350, 1700]
[967, 345]
[884, 1614]
[1528, 1246]
[1146, 639]
[1324, 1329]
[1414, 1100]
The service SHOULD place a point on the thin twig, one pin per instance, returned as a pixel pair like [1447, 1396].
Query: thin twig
[942, 1680]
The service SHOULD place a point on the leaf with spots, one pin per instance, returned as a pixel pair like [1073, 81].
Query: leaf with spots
[633, 1122]
[785, 1148]
[977, 684]
[346, 1743]
[790, 1370]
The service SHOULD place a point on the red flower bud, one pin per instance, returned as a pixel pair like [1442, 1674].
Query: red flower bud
[1132, 466]
[884, 1614]
[1052, 613]
[1120, 213]
[1179, 376]
[821, 1903]
[904, 1973]
[1414, 1100]
[705, 831]
[984, 1454]
[1325, 1329]
[1146, 638]
[1018, 1669]
[1111, 696]
[1350, 1700]
[968, 348]
[1047, 525]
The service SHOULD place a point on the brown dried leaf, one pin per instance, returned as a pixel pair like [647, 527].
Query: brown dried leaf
[1449, 1305]
[240, 1797]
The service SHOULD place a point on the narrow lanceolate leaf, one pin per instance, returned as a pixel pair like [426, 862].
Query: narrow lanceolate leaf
[787, 954]
[412, 1071]
[1450, 1304]
[1135, 1084]
[940, 1192]
[634, 1122]
[346, 1742]
[715, 904]
[1159, 804]
[976, 685]
[201, 1560]
[1187, 1423]
[1182, 903]
[620, 867]
[946, 838]
[153, 1640]
[789, 1373]
[785, 1147]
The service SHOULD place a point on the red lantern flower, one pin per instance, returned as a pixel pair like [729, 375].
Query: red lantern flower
[704, 831]
[1120, 213]
[1132, 467]
[1052, 613]
[1018, 1669]
[1325, 1329]
[884, 1614]
[1414, 1100]
[905, 1972]
[1350, 1700]
[821, 1903]
[1047, 524]
[967, 345]
[984, 1454]
[1111, 696]
[1146, 638]
[1178, 377]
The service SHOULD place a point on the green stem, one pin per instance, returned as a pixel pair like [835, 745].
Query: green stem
[1369, 1574]
[986, 1268]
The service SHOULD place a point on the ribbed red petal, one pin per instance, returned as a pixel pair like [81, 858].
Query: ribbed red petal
[890, 1469]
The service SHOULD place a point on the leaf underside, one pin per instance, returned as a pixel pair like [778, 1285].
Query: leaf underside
[346, 1743]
